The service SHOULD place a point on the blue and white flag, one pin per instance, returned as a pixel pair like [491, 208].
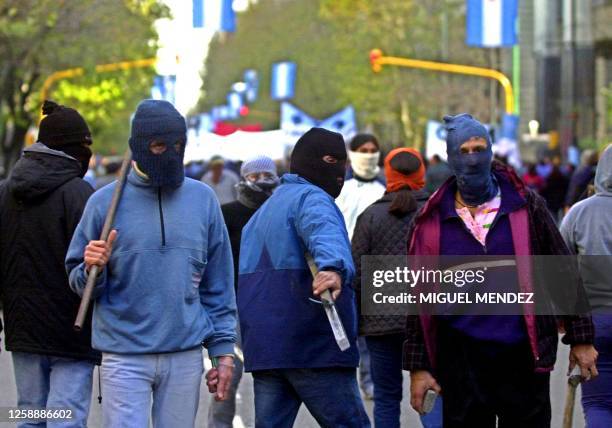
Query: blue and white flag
[205, 124]
[294, 121]
[342, 122]
[283, 80]
[221, 113]
[217, 15]
[491, 23]
[234, 101]
[164, 88]
[251, 79]
[507, 145]
[435, 144]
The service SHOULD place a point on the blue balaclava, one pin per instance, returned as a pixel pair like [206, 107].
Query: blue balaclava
[473, 171]
[157, 120]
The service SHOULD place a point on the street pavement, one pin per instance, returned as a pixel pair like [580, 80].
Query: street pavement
[244, 405]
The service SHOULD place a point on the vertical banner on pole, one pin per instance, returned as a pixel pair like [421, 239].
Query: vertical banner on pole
[283, 80]
[216, 15]
[491, 23]
[252, 81]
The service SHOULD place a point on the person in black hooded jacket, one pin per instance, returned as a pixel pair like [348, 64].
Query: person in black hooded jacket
[381, 230]
[40, 206]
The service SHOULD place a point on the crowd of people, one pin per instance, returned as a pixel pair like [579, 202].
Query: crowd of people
[222, 262]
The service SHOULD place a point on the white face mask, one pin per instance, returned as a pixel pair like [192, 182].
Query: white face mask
[365, 165]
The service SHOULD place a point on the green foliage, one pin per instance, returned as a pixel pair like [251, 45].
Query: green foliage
[39, 37]
[330, 41]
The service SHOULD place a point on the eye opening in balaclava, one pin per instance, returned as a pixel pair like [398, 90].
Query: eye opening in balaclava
[307, 159]
[475, 181]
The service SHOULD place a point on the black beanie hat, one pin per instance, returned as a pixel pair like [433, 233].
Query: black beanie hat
[307, 159]
[64, 129]
[62, 126]
[360, 139]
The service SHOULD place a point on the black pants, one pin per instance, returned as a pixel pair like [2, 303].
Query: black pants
[482, 381]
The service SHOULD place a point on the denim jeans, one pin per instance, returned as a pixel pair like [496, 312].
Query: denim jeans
[330, 394]
[365, 375]
[171, 381]
[597, 393]
[53, 383]
[386, 364]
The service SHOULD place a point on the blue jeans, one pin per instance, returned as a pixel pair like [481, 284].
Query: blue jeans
[54, 383]
[330, 394]
[597, 394]
[365, 375]
[131, 382]
[386, 365]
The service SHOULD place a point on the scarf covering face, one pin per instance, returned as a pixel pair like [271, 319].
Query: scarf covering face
[404, 167]
[365, 165]
[473, 171]
[254, 194]
[307, 159]
[157, 120]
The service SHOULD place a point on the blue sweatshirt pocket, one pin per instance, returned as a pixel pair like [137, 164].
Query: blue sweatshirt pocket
[197, 272]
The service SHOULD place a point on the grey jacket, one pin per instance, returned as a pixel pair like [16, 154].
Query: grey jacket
[587, 229]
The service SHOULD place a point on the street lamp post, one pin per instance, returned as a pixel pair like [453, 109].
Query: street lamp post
[378, 60]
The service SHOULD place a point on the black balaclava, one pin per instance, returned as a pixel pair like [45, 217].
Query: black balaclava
[307, 159]
[64, 129]
[157, 120]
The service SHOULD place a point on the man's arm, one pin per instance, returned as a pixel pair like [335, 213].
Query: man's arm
[321, 227]
[579, 329]
[87, 230]
[217, 288]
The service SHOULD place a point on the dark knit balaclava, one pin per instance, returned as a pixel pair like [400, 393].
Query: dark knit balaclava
[473, 171]
[307, 159]
[157, 120]
[64, 129]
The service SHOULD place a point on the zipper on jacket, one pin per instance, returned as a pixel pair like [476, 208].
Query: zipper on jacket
[161, 216]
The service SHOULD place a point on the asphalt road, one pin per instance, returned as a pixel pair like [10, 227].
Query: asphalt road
[245, 417]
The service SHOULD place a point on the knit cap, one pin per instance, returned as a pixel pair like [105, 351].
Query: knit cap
[258, 164]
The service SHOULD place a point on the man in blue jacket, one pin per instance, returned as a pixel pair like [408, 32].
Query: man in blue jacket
[287, 340]
[166, 287]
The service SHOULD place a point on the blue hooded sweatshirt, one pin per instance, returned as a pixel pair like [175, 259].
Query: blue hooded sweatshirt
[168, 286]
[281, 327]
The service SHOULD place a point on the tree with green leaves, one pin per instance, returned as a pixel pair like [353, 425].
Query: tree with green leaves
[39, 37]
[330, 41]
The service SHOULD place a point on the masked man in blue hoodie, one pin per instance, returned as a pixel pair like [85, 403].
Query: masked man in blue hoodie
[166, 285]
[288, 343]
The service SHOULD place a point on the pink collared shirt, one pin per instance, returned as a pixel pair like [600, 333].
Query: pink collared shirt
[481, 222]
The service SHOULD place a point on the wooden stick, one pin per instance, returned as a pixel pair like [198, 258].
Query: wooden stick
[572, 384]
[108, 224]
